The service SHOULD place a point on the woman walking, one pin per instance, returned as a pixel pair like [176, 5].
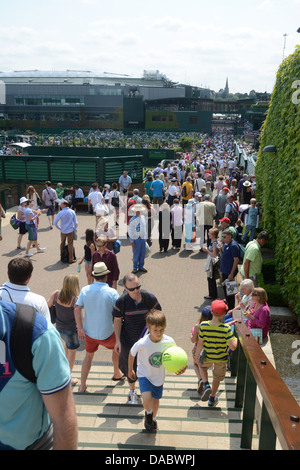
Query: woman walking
[64, 302]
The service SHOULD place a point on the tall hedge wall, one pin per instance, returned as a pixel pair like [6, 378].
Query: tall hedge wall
[278, 177]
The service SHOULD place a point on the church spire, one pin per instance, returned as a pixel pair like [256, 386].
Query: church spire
[226, 90]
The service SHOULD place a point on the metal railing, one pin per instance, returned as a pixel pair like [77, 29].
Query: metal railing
[280, 412]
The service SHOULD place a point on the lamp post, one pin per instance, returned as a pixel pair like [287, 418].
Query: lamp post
[284, 44]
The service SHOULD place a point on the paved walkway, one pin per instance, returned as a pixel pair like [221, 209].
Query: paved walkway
[177, 278]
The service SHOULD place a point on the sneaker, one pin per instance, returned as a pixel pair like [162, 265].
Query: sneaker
[206, 393]
[148, 421]
[143, 270]
[200, 386]
[132, 397]
[41, 250]
[28, 254]
[134, 271]
[154, 425]
[212, 401]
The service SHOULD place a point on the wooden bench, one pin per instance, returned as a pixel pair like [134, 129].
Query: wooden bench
[79, 205]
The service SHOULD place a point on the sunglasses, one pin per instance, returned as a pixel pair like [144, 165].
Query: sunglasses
[132, 289]
[254, 295]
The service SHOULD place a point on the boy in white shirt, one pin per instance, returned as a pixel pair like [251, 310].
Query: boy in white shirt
[150, 371]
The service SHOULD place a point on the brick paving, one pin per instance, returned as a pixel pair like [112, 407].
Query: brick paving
[177, 278]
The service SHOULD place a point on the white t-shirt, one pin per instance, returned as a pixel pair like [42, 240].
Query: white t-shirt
[95, 197]
[18, 294]
[149, 363]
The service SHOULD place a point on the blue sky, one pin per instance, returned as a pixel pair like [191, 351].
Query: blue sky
[192, 41]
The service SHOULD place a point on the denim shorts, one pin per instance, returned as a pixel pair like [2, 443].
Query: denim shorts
[70, 338]
[147, 386]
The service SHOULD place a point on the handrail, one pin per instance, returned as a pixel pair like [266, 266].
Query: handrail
[280, 410]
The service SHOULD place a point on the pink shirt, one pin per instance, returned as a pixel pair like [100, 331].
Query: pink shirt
[262, 319]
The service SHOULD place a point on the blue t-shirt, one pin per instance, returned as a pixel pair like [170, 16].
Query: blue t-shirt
[26, 213]
[98, 300]
[23, 416]
[229, 251]
[157, 186]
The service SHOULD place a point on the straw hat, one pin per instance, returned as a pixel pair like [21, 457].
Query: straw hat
[100, 269]
[137, 208]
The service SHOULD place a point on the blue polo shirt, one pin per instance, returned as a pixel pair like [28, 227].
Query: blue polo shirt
[229, 252]
[98, 300]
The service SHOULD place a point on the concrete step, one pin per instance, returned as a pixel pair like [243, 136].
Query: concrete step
[107, 421]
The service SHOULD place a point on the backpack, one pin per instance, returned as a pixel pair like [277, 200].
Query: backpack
[233, 214]
[242, 250]
[65, 254]
[184, 192]
[115, 200]
[21, 339]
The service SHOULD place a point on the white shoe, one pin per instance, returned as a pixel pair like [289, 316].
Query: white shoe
[41, 250]
[28, 254]
[132, 397]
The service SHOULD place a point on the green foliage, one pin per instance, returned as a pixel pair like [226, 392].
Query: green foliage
[186, 143]
[278, 178]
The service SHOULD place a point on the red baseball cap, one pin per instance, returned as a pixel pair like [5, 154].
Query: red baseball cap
[225, 219]
[219, 307]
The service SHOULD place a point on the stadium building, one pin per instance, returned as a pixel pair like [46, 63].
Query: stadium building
[56, 101]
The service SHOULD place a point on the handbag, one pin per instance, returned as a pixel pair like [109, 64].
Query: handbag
[14, 222]
[52, 314]
[148, 251]
[116, 246]
[257, 333]
[52, 310]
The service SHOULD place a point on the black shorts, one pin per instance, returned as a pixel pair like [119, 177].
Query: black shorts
[123, 361]
[22, 228]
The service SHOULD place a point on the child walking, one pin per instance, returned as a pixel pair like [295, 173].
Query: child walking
[215, 337]
[205, 315]
[89, 249]
[150, 371]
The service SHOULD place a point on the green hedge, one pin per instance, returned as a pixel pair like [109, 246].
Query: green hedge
[267, 280]
[278, 178]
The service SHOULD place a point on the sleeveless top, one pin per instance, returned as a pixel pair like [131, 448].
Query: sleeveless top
[65, 318]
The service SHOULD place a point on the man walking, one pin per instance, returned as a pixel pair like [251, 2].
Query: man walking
[16, 290]
[229, 263]
[97, 300]
[137, 231]
[104, 255]
[129, 315]
[49, 197]
[252, 262]
[67, 227]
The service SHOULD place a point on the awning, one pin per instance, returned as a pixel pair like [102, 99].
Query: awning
[21, 144]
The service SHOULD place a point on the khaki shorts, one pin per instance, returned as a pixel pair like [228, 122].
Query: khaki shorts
[219, 370]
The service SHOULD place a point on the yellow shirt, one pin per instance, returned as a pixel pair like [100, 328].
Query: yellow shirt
[189, 189]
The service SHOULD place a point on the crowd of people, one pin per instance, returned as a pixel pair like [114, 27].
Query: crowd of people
[204, 199]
